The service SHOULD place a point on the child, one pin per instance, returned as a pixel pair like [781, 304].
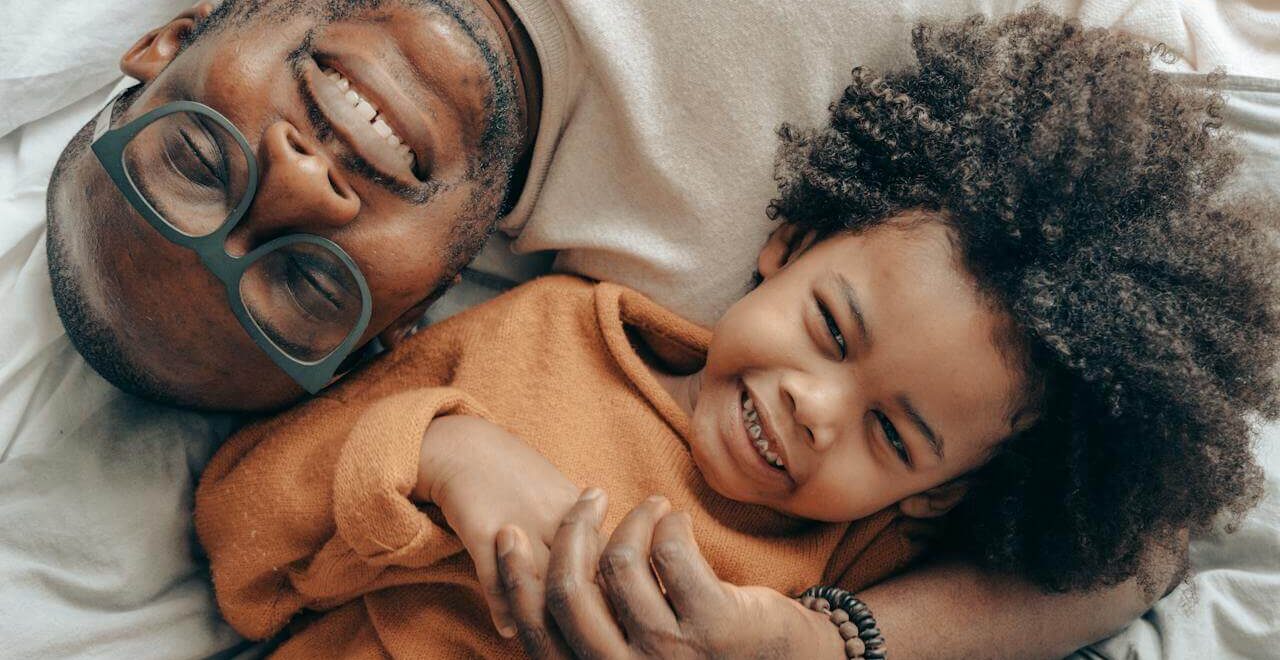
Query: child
[1004, 288]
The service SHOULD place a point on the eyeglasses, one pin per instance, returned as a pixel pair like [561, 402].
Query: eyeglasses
[191, 175]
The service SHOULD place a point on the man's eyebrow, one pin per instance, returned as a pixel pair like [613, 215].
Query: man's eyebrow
[935, 440]
[855, 309]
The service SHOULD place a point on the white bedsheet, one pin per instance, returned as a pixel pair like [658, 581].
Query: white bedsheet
[96, 553]
[96, 550]
[1231, 608]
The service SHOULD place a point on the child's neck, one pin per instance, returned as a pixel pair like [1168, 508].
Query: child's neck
[683, 388]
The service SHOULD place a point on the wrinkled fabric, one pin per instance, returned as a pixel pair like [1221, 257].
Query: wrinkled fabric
[96, 558]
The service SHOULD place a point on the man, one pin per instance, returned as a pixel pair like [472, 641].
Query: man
[365, 135]
[640, 129]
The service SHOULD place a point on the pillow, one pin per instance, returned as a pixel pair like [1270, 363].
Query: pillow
[55, 53]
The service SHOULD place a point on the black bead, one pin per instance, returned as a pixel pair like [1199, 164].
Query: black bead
[869, 633]
[874, 655]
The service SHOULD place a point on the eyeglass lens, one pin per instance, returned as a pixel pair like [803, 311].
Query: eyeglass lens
[191, 171]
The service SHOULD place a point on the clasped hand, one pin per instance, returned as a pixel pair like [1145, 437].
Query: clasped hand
[549, 575]
[646, 592]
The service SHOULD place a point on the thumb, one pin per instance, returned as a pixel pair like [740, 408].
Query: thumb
[491, 582]
[487, 573]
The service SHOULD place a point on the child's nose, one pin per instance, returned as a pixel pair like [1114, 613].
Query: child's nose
[817, 406]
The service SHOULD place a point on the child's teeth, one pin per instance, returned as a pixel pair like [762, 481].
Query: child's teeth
[353, 97]
[752, 419]
[380, 127]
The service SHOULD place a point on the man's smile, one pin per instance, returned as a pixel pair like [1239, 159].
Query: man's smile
[369, 114]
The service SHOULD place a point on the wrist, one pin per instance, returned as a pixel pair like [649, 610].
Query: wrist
[824, 638]
[439, 456]
[857, 627]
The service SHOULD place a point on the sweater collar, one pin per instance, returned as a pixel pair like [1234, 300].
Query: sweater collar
[560, 63]
[625, 316]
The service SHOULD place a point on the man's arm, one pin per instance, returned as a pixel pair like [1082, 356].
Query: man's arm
[953, 609]
[948, 610]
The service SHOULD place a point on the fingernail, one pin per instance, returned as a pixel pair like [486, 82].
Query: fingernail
[507, 632]
[506, 541]
[592, 493]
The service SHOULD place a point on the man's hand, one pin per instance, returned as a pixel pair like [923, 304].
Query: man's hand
[568, 613]
[482, 478]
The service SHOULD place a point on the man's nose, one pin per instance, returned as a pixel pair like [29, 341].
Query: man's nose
[299, 190]
[819, 406]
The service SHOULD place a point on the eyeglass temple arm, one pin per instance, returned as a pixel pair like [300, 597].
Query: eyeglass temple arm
[103, 123]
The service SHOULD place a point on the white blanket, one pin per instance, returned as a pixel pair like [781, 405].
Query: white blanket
[96, 550]
[96, 553]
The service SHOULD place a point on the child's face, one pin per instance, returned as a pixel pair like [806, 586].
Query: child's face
[862, 409]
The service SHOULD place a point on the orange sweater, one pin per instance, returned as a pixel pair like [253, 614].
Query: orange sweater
[309, 511]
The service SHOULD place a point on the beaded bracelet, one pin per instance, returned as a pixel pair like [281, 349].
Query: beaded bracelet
[852, 617]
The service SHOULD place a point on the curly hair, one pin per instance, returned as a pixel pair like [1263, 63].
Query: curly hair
[1082, 190]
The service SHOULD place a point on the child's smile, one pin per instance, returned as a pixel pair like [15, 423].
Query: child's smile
[756, 446]
[757, 426]
[863, 372]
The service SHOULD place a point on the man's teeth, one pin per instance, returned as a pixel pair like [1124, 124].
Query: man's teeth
[366, 111]
[756, 432]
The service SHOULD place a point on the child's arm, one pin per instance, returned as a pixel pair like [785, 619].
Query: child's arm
[482, 478]
[317, 506]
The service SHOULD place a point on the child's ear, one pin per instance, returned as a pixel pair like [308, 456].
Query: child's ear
[785, 244]
[403, 327]
[936, 501]
[147, 57]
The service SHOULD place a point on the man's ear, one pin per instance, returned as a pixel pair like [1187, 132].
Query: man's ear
[147, 57]
[785, 244]
[936, 501]
[403, 327]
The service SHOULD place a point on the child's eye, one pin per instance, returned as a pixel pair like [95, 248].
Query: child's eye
[891, 436]
[833, 328]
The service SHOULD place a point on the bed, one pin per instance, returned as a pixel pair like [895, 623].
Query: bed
[97, 556]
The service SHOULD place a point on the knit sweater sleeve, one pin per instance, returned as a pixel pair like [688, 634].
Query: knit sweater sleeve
[311, 509]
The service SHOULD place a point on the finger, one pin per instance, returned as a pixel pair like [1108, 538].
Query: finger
[628, 579]
[524, 597]
[692, 587]
[573, 598]
[485, 561]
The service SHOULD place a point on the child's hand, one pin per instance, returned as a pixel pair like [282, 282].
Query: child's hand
[483, 478]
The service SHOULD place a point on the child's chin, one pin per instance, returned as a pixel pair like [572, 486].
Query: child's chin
[711, 474]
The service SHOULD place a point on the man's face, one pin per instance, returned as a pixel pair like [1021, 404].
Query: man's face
[386, 127]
